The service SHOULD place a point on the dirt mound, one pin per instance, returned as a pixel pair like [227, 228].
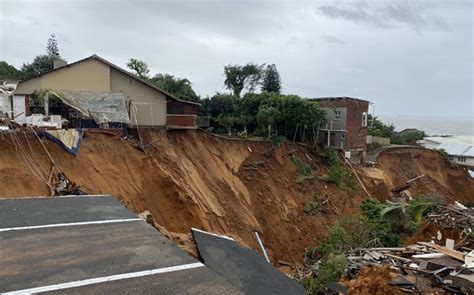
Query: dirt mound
[372, 280]
[397, 165]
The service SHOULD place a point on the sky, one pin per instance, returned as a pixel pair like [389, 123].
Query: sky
[408, 57]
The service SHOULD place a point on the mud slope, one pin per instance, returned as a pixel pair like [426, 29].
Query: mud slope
[443, 179]
[193, 179]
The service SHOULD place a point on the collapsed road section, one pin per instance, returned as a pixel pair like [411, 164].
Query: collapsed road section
[242, 267]
[92, 244]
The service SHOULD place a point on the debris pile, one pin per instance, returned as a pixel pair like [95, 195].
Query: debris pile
[437, 263]
[422, 267]
[454, 216]
[426, 267]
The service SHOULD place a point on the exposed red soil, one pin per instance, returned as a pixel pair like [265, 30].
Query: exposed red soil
[194, 179]
[372, 280]
[443, 180]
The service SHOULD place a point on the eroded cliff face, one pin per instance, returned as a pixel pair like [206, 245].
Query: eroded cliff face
[442, 179]
[234, 187]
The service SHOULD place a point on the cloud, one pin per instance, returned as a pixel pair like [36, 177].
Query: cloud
[416, 15]
[332, 39]
[317, 54]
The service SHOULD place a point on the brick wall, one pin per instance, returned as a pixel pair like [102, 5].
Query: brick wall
[182, 108]
[181, 120]
[356, 136]
[181, 114]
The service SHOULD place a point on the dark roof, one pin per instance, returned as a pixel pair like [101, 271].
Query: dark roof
[337, 98]
[96, 57]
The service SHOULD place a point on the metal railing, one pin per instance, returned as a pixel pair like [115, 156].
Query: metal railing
[203, 121]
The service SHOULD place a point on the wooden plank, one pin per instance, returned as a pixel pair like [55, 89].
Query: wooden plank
[451, 253]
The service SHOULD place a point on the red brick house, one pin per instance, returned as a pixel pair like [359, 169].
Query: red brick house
[181, 114]
[346, 128]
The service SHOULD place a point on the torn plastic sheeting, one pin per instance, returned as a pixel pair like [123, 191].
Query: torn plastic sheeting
[103, 107]
[69, 140]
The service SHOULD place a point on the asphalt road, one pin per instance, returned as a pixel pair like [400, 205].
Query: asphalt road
[107, 242]
[41, 211]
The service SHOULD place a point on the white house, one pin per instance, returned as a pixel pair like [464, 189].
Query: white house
[459, 148]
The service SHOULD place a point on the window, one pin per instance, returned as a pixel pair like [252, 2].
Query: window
[462, 159]
[364, 119]
[175, 108]
[337, 115]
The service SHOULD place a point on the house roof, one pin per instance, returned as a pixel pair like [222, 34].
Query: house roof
[98, 58]
[467, 140]
[337, 98]
[457, 149]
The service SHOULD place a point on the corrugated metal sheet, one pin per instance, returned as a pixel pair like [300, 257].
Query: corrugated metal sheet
[458, 149]
[467, 140]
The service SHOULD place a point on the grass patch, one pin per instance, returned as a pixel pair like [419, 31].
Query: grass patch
[336, 173]
[304, 170]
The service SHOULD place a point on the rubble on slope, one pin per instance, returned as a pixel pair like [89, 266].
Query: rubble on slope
[420, 267]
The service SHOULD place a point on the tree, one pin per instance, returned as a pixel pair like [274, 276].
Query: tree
[52, 47]
[139, 67]
[41, 64]
[219, 104]
[179, 87]
[268, 116]
[379, 128]
[271, 80]
[227, 121]
[238, 78]
[9, 72]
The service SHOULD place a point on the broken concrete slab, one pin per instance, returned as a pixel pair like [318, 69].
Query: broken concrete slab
[243, 267]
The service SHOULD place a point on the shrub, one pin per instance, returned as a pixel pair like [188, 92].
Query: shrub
[303, 168]
[444, 153]
[330, 269]
[336, 174]
[382, 226]
[278, 140]
[407, 137]
[309, 206]
[336, 242]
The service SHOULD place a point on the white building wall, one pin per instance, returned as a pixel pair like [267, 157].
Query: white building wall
[431, 145]
[5, 106]
[469, 161]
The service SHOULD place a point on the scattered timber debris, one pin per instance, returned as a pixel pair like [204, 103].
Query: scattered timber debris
[406, 185]
[420, 268]
[456, 216]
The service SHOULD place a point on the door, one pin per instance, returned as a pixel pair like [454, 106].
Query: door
[19, 109]
[332, 140]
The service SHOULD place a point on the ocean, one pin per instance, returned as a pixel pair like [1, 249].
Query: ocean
[432, 125]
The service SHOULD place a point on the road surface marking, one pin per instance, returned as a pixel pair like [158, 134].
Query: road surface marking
[105, 279]
[211, 234]
[69, 224]
[55, 197]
